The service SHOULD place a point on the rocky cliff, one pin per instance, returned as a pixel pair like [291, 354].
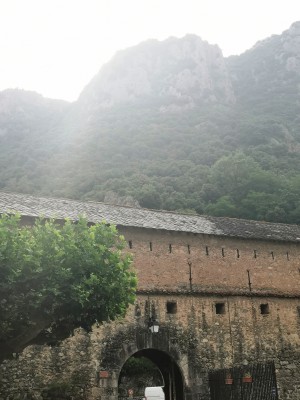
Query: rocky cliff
[174, 74]
[269, 73]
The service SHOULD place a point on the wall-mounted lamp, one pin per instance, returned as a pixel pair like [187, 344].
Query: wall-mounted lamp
[153, 325]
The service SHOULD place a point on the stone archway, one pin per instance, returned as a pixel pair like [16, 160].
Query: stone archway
[171, 376]
[168, 353]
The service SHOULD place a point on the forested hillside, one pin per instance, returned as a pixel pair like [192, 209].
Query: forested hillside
[173, 124]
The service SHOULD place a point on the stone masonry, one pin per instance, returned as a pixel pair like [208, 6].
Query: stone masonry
[222, 298]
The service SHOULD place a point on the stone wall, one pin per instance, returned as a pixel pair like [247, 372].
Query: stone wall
[39, 368]
[220, 302]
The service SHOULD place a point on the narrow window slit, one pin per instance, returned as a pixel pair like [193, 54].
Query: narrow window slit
[249, 280]
[206, 250]
[254, 253]
[130, 244]
[237, 253]
[170, 248]
[272, 254]
[150, 246]
[287, 256]
[223, 252]
[189, 248]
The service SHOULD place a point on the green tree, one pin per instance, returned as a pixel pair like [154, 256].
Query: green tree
[239, 187]
[138, 373]
[54, 278]
[223, 207]
[233, 175]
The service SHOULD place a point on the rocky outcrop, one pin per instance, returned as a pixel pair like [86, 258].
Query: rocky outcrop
[175, 73]
[267, 76]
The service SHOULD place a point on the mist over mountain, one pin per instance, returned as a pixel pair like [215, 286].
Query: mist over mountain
[171, 125]
[179, 72]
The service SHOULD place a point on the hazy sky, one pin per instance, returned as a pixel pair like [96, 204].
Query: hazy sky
[55, 47]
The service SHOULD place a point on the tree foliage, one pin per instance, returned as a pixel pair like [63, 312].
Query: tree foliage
[54, 278]
[138, 373]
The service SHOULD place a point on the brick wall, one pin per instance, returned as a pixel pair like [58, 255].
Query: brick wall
[174, 261]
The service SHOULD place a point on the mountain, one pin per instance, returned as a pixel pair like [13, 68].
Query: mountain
[266, 77]
[174, 74]
[169, 124]
[27, 135]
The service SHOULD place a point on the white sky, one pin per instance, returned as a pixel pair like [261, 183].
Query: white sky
[55, 47]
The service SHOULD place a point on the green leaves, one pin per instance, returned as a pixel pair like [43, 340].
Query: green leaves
[239, 187]
[66, 273]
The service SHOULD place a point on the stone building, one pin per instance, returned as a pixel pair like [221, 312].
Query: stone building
[224, 292]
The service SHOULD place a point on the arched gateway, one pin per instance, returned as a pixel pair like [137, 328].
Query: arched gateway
[224, 293]
[162, 349]
[170, 374]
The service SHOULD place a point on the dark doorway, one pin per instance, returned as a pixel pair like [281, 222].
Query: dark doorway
[150, 367]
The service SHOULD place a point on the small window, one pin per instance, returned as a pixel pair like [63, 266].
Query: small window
[298, 311]
[130, 244]
[171, 307]
[264, 309]
[220, 308]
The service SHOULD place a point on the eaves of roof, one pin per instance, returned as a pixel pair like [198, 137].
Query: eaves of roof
[32, 206]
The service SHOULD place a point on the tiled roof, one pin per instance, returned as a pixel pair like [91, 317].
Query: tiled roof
[27, 205]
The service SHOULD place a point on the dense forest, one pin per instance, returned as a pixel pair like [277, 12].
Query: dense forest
[173, 125]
